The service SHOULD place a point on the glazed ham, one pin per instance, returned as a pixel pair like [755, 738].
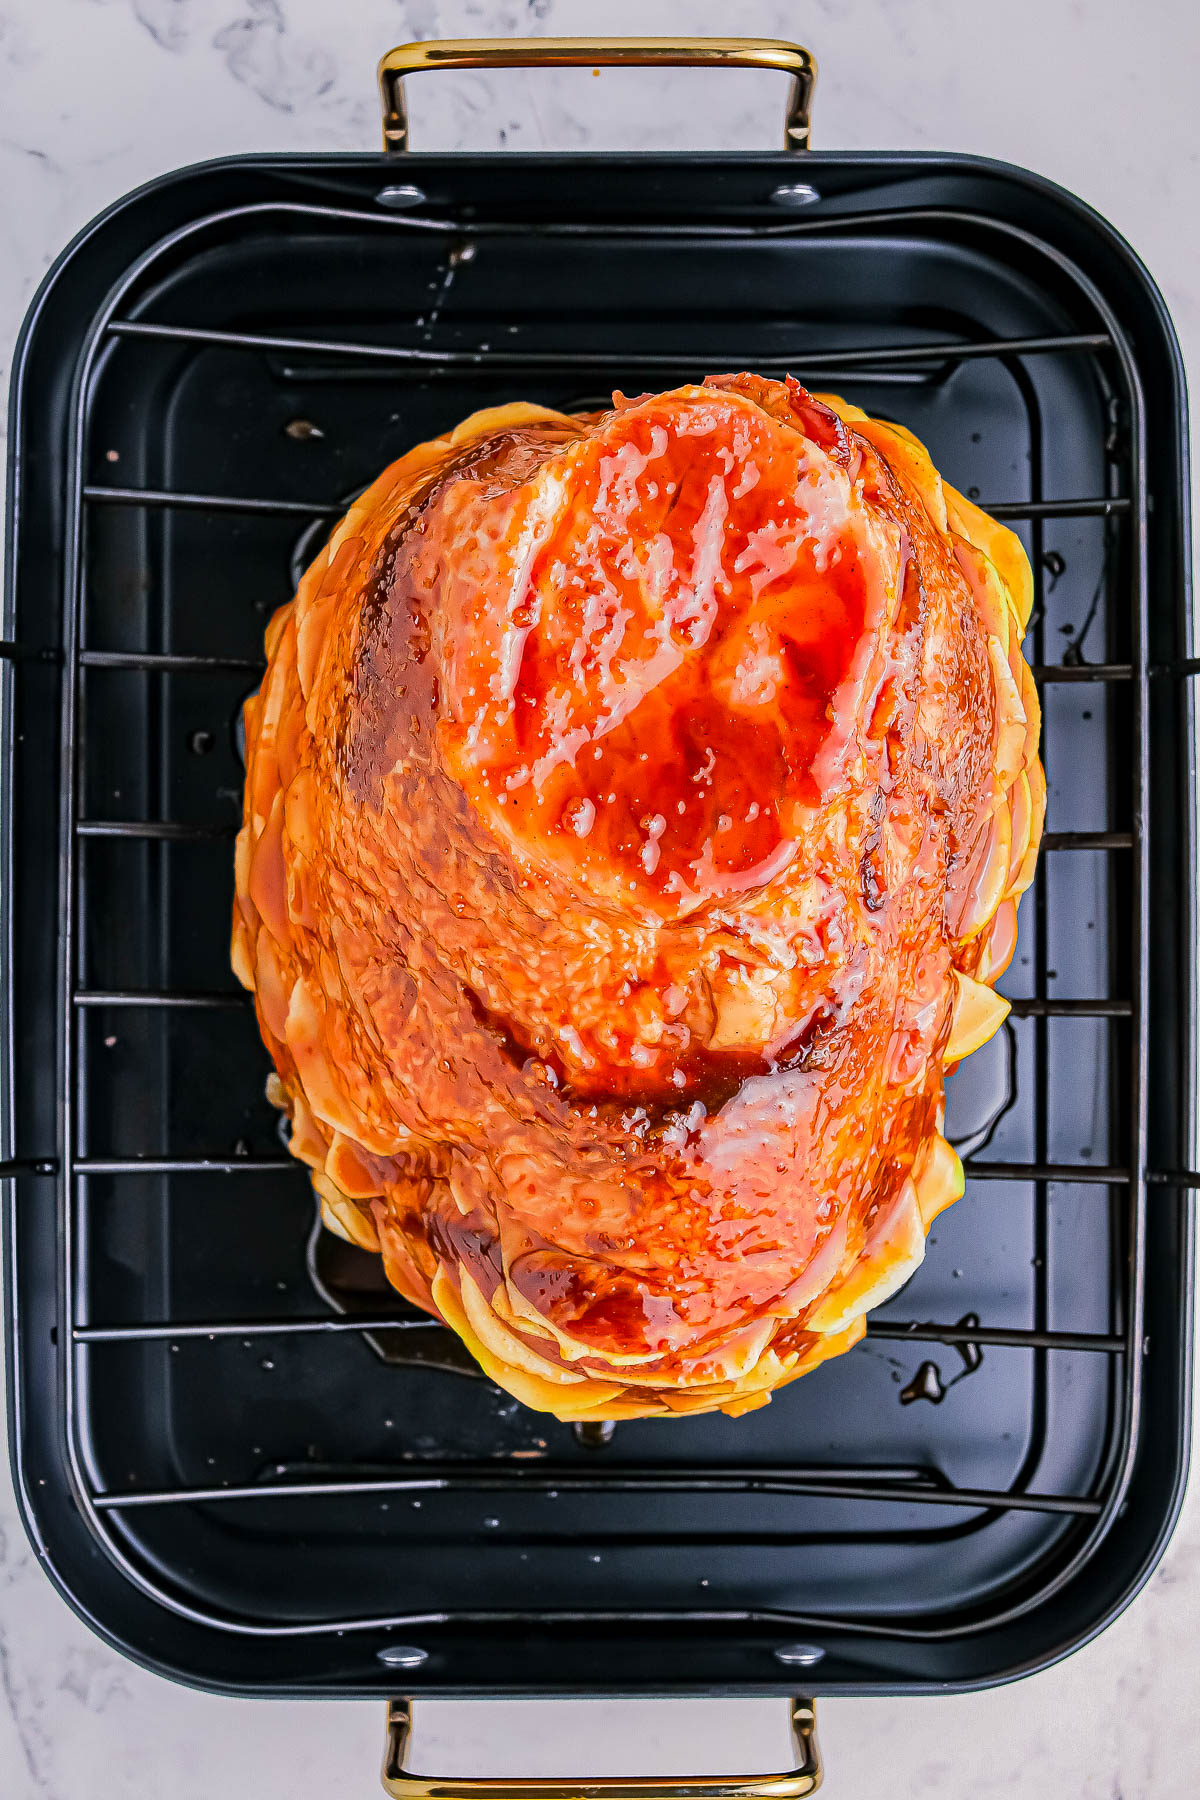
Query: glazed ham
[637, 805]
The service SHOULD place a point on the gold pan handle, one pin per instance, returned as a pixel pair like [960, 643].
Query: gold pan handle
[404, 1784]
[563, 53]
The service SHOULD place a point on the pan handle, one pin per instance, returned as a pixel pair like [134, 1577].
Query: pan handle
[805, 1778]
[560, 53]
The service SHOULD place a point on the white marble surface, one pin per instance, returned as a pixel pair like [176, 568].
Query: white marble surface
[97, 96]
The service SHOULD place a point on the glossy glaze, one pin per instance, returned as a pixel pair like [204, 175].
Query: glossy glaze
[622, 796]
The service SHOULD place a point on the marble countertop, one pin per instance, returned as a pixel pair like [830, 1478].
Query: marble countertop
[100, 95]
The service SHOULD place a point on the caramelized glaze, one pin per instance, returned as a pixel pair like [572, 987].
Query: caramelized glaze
[629, 799]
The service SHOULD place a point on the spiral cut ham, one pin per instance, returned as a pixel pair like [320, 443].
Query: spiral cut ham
[637, 805]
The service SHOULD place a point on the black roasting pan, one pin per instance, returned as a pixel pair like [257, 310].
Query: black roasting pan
[238, 1456]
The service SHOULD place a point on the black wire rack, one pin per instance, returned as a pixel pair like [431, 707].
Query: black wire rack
[1124, 1184]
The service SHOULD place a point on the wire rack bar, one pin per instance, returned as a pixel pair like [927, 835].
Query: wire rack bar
[184, 1165]
[1088, 840]
[184, 1000]
[901, 1331]
[214, 1330]
[1043, 672]
[1103, 507]
[162, 663]
[1104, 1174]
[166, 830]
[474, 358]
[1087, 1174]
[177, 999]
[1070, 1009]
[230, 503]
[1072, 1173]
[334, 1324]
[565, 1479]
[1093, 507]
[173, 830]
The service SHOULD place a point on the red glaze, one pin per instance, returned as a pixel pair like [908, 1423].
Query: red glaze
[666, 691]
